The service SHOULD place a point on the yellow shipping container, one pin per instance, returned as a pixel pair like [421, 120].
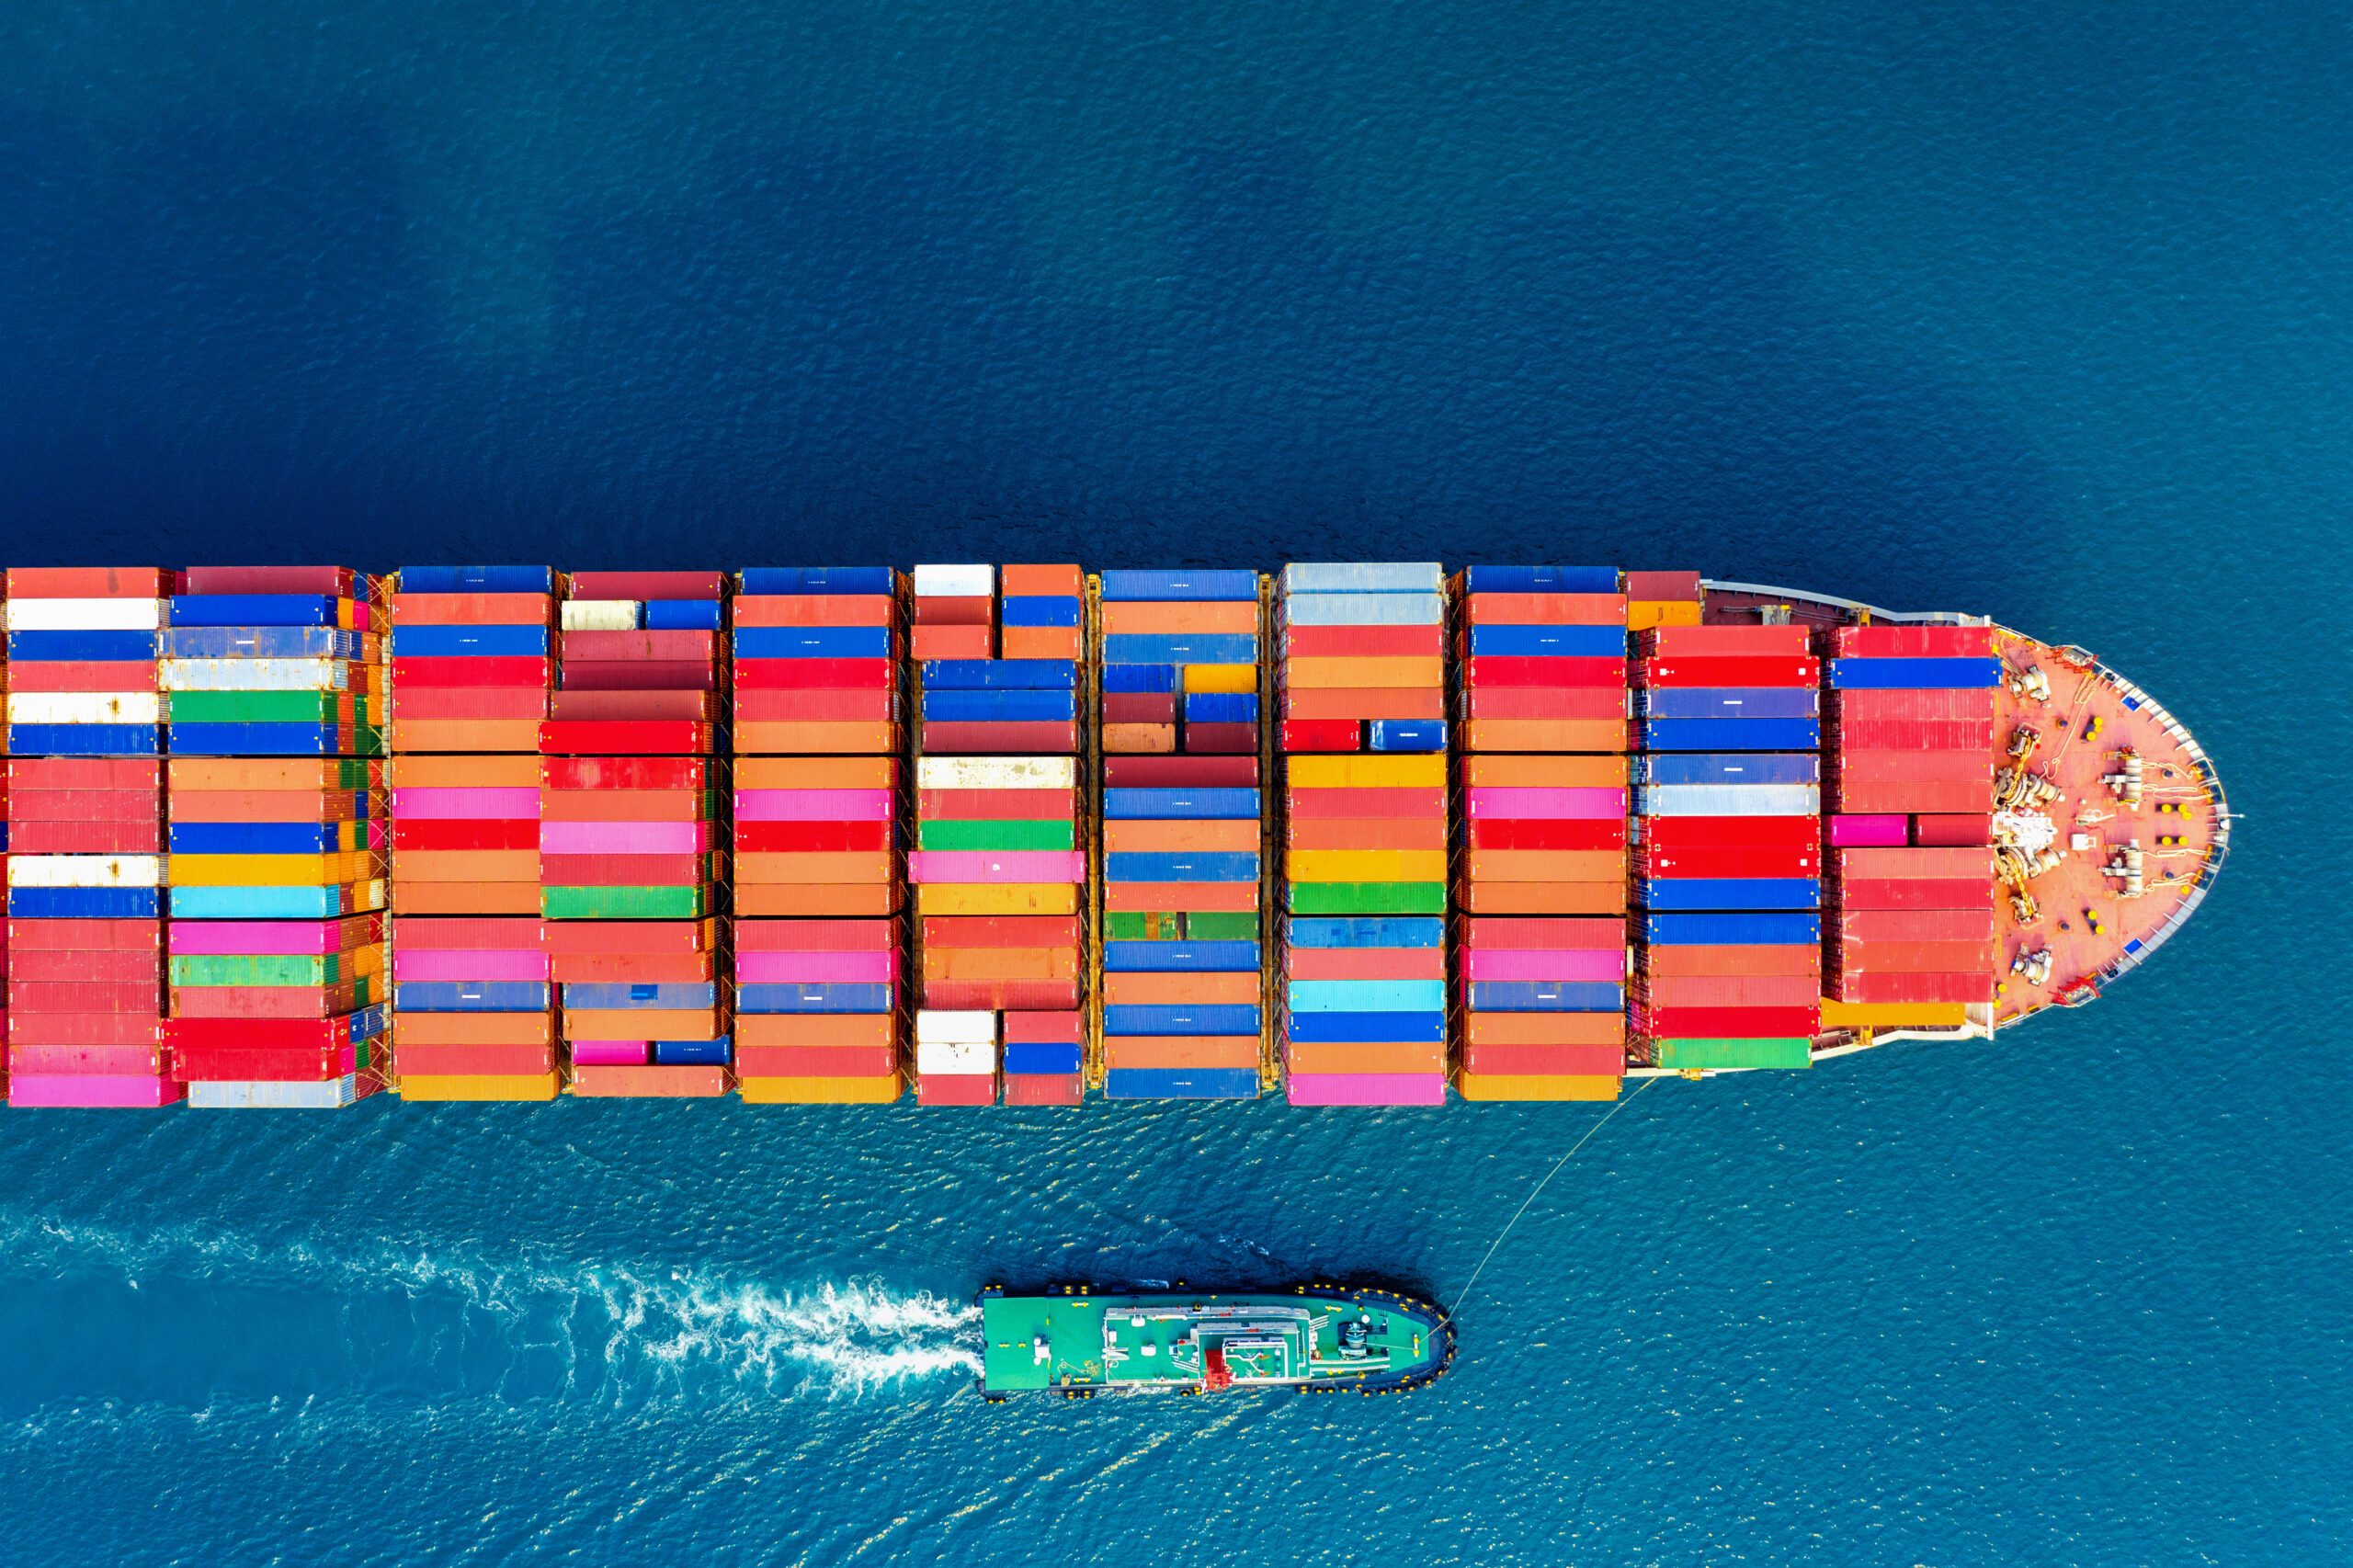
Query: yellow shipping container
[273, 871]
[1894, 1014]
[997, 898]
[1511, 1087]
[1220, 677]
[1643, 614]
[1358, 772]
[1364, 865]
[478, 1087]
[821, 1091]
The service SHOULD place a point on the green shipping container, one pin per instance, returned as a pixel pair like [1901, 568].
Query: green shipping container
[267, 707]
[1367, 898]
[625, 903]
[1790, 1052]
[262, 969]
[1019, 833]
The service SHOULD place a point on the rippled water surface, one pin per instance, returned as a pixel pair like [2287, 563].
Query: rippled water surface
[2033, 311]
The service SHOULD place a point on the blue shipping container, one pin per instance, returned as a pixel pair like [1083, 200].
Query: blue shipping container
[1364, 609]
[1180, 1084]
[682, 615]
[1731, 734]
[255, 609]
[1365, 995]
[1913, 675]
[1549, 641]
[1179, 586]
[1221, 707]
[1730, 893]
[1055, 1058]
[1180, 805]
[86, 903]
[1000, 675]
[621, 995]
[1207, 1018]
[1731, 702]
[1151, 680]
[1180, 648]
[1546, 996]
[693, 1052]
[256, 837]
[477, 580]
[261, 740]
[813, 642]
[1180, 958]
[1182, 865]
[1733, 930]
[829, 996]
[260, 642]
[1038, 610]
[86, 740]
[1366, 931]
[1739, 769]
[84, 647]
[533, 642]
[829, 581]
[1000, 707]
[1407, 734]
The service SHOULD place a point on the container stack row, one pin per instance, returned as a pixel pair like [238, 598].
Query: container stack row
[633, 835]
[819, 929]
[1000, 863]
[1912, 781]
[274, 686]
[1361, 669]
[473, 659]
[87, 862]
[1184, 1003]
[1541, 798]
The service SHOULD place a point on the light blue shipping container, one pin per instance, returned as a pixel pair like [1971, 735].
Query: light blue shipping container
[1363, 610]
[1365, 995]
[1363, 577]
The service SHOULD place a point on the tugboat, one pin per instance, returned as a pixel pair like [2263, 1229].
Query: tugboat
[1076, 1341]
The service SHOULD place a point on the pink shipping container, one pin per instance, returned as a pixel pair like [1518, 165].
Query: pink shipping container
[1576, 804]
[110, 1091]
[814, 936]
[1365, 1088]
[1912, 642]
[992, 866]
[1930, 864]
[625, 837]
[1956, 831]
[613, 1052]
[1732, 991]
[812, 805]
[469, 963]
[1566, 931]
[782, 968]
[1601, 966]
[1868, 832]
[423, 804]
[1365, 963]
[118, 1059]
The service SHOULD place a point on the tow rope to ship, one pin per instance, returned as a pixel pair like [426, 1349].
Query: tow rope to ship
[1563, 1160]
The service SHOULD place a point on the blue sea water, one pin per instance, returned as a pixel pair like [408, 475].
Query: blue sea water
[2027, 310]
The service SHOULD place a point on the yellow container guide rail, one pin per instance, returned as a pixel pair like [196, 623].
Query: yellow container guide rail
[1271, 847]
[1090, 748]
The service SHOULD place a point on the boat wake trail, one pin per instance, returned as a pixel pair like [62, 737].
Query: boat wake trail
[221, 1310]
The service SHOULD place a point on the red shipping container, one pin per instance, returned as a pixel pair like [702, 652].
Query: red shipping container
[1857, 766]
[816, 1061]
[1041, 1088]
[1912, 642]
[816, 609]
[1512, 670]
[1973, 703]
[1956, 831]
[82, 674]
[1774, 670]
[1726, 1023]
[692, 584]
[1569, 934]
[1226, 740]
[30, 997]
[474, 609]
[336, 581]
[1782, 861]
[1041, 1028]
[1731, 833]
[630, 773]
[1883, 989]
[514, 671]
[91, 583]
[1704, 961]
[1912, 735]
[465, 1061]
[819, 936]
[940, 609]
[956, 1088]
[114, 966]
[628, 936]
[816, 674]
[206, 1065]
[1402, 803]
[1049, 737]
[1328, 704]
[99, 1059]
[1861, 798]
[808, 706]
[1508, 1059]
[1652, 587]
[812, 838]
[997, 805]
[1000, 931]
[1916, 958]
[1042, 994]
[1543, 702]
[1544, 609]
[86, 1028]
[1180, 772]
[642, 675]
[649, 738]
[37, 838]
[1320, 734]
[1677, 991]
[631, 871]
[1913, 892]
[1548, 833]
[64, 807]
[467, 833]
[1727, 641]
[637, 707]
[953, 642]
[1973, 924]
[470, 702]
[1365, 963]
[1364, 642]
[27, 934]
[637, 647]
[78, 773]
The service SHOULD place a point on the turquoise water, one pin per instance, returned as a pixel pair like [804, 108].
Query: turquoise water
[2032, 311]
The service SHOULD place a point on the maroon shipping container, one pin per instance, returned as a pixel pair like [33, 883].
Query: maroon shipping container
[145, 934]
[630, 773]
[1731, 833]
[460, 1060]
[1852, 766]
[1139, 708]
[523, 671]
[878, 935]
[637, 647]
[1787, 860]
[1765, 670]
[1973, 703]
[816, 674]
[1913, 734]
[996, 995]
[1912, 642]
[1955, 832]
[1179, 773]
[816, 1061]
[110, 773]
[1221, 740]
[1854, 925]
[467, 833]
[419, 702]
[1545, 1061]
[1548, 833]
[334, 582]
[700, 706]
[37, 837]
[1543, 702]
[631, 871]
[958, 609]
[1044, 1088]
[1914, 893]
[640, 675]
[117, 966]
[641, 738]
[1922, 988]
[812, 838]
[1002, 737]
[1656, 587]
[1532, 670]
[1726, 1023]
[29, 997]
[649, 584]
[82, 674]
[1574, 933]
[1364, 642]
[1000, 931]
[87, 1028]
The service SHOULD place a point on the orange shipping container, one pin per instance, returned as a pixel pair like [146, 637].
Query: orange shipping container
[1917, 958]
[1545, 865]
[828, 1030]
[1480, 1086]
[1123, 990]
[1365, 702]
[465, 772]
[413, 897]
[1699, 960]
[953, 642]
[1351, 1056]
[804, 736]
[630, 1023]
[1377, 670]
[1364, 833]
[1545, 1029]
[1643, 614]
[472, 1029]
[1000, 964]
[817, 773]
[465, 865]
[1548, 734]
[1140, 740]
[621, 805]
[1546, 609]
[1039, 642]
[1121, 616]
[463, 735]
[1545, 772]
[1027, 582]
[1232, 898]
[649, 1082]
[831, 900]
[1542, 898]
[1150, 1050]
[1178, 837]
[796, 867]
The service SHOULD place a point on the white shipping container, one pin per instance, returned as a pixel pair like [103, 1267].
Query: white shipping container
[264, 1095]
[955, 1025]
[996, 772]
[1728, 801]
[956, 1056]
[84, 708]
[87, 615]
[955, 582]
[255, 674]
[603, 615]
[85, 871]
[1363, 577]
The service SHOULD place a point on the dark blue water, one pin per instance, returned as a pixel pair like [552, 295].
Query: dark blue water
[2029, 310]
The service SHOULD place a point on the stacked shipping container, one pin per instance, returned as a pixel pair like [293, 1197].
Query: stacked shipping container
[1912, 779]
[633, 835]
[819, 671]
[1362, 669]
[85, 871]
[273, 691]
[1183, 835]
[1542, 705]
[472, 651]
[1000, 859]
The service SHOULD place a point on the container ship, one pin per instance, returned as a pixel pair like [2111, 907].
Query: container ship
[1351, 834]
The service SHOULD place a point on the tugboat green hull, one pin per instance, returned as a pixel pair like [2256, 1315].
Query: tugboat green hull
[1078, 1341]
